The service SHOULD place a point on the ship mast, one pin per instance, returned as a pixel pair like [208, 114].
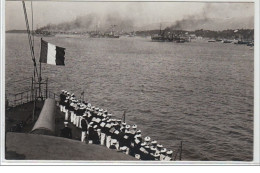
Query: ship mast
[36, 75]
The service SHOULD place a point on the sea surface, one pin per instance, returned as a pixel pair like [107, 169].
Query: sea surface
[200, 93]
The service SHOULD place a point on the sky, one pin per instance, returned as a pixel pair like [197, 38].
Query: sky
[141, 13]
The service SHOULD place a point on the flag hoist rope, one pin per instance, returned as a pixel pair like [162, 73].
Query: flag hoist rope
[31, 42]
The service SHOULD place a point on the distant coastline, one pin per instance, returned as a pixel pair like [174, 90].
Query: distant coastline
[16, 31]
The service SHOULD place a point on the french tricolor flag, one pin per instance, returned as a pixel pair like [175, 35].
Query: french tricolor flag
[52, 54]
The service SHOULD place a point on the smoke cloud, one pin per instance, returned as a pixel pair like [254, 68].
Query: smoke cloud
[217, 17]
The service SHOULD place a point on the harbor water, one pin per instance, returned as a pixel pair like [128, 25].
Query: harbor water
[198, 92]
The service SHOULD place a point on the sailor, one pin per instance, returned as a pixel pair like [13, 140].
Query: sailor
[127, 141]
[65, 107]
[136, 147]
[156, 156]
[123, 124]
[108, 135]
[84, 129]
[66, 131]
[148, 150]
[134, 127]
[132, 142]
[152, 152]
[115, 136]
[163, 153]
[159, 148]
[81, 111]
[91, 133]
[62, 99]
[154, 144]
[123, 149]
[89, 115]
[143, 151]
[103, 133]
[70, 110]
[77, 112]
[147, 139]
[109, 115]
[95, 135]
[168, 156]
[111, 134]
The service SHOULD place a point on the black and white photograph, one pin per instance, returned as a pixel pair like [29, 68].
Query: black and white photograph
[158, 82]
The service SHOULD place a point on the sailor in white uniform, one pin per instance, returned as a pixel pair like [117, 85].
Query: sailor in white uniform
[163, 154]
[147, 139]
[102, 134]
[168, 156]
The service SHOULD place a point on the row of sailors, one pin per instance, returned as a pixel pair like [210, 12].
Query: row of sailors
[99, 128]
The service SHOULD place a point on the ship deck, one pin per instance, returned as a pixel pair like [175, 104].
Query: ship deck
[25, 146]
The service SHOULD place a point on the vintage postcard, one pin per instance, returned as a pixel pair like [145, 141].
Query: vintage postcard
[130, 82]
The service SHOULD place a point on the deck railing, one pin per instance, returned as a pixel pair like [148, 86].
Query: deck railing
[27, 96]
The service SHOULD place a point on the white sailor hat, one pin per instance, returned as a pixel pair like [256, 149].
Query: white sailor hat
[163, 150]
[109, 120]
[66, 123]
[169, 152]
[154, 142]
[119, 121]
[159, 146]
[134, 126]
[96, 109]
[105, 111]
[84, 115]
[68, 93]
[124, 124]
[143, 144]
[101, 110]
[138, 131]
[127, 131]
[109, 115]
[123, 148]
[127, 126]
[72, 94]
[147, 139]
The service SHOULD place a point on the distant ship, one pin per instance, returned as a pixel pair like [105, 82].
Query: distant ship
[161, 37]
[98, 34]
